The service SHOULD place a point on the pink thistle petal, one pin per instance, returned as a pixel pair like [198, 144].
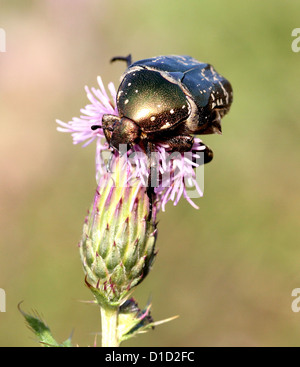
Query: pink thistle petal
[174, 175]
[80, 128]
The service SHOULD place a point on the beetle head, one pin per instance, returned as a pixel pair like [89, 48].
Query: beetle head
[119, 131]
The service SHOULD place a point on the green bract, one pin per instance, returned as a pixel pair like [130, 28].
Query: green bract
[118, 242]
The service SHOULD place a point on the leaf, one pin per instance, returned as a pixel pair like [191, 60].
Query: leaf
[41, 330]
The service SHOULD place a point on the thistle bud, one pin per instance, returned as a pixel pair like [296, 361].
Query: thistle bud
[118, 242]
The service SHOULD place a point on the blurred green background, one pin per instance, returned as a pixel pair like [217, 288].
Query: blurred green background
[227, 269]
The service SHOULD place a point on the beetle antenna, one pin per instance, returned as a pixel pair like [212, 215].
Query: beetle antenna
[96, 127]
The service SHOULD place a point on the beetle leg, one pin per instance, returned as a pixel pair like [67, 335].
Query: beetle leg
[214, 126]
[150, 190]
[180, 143]
[128, 59]
[208, 153]
[184, 143]
[108, 165]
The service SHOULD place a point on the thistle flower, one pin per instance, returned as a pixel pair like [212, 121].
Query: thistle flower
[176, 175]
[118, 243]
[117, 248]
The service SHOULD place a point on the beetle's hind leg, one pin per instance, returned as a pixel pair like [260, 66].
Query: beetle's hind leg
[128, 59]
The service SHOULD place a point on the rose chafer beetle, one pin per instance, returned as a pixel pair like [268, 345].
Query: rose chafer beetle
[167, 99]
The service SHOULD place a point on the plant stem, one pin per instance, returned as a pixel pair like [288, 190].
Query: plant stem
[109, 319]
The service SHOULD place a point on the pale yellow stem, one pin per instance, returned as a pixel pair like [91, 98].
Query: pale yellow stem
[109, 319]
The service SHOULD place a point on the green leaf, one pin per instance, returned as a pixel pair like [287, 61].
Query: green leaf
[41, 330]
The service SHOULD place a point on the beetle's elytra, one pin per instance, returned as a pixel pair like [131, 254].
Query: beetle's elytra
[167, 99]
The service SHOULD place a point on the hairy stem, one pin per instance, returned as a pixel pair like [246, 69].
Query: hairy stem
[109, 318]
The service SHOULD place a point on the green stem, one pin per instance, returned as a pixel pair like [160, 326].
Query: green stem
[109, 318]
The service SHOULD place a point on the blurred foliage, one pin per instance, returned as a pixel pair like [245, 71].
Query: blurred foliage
[228, 269]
